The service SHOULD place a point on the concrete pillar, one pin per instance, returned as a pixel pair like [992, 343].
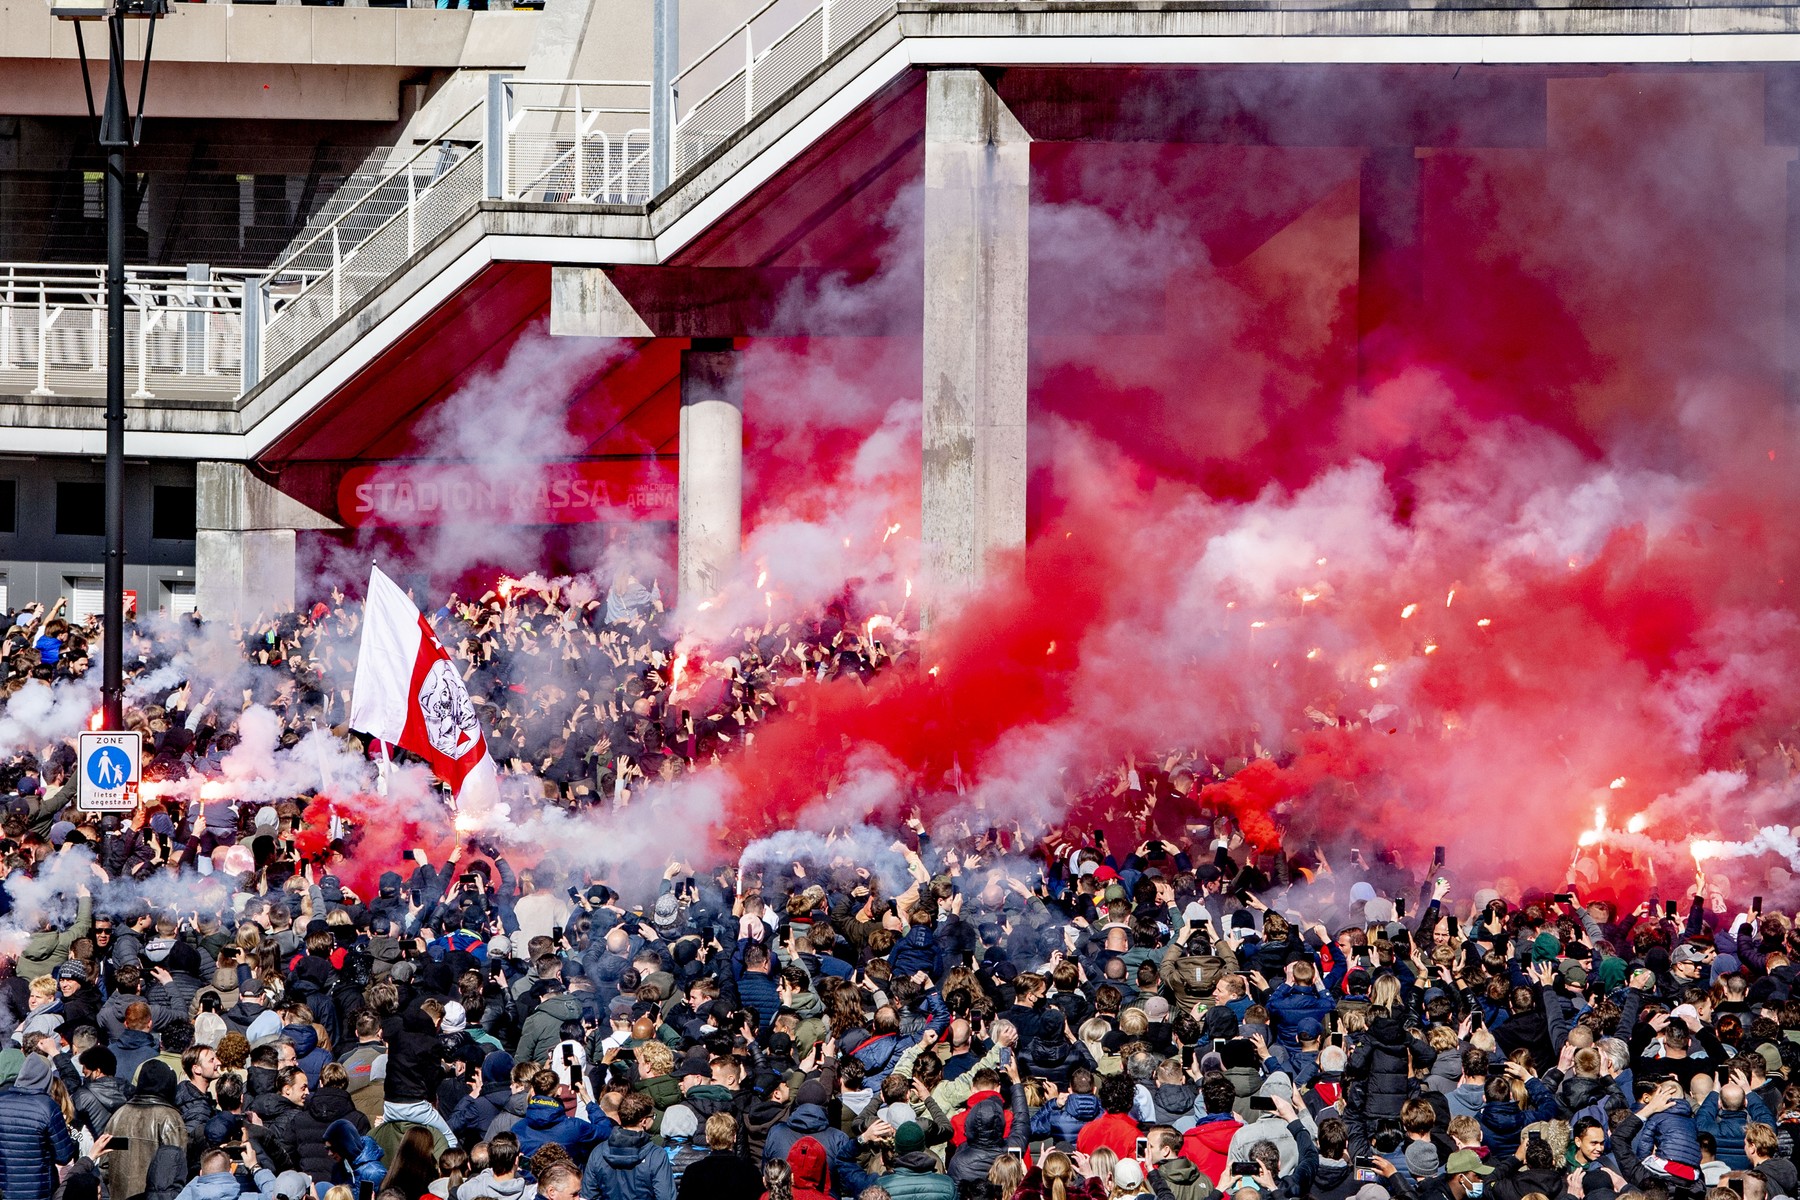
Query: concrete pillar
[584, 302]
[1390, 286]
[1791, 326]
[711, 522]
[977, 210]
[244, 542]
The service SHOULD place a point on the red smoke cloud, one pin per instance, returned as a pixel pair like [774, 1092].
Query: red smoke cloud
[1571, 457]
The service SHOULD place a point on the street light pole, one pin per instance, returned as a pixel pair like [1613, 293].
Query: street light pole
[115, 136]
[117, 129]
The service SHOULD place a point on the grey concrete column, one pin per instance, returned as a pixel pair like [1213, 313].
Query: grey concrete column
[977, 209]
[711, 528]
[244, 542]
[1390, 283]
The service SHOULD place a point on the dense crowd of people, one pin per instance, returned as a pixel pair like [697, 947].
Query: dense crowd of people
[1063, 1021]
[571, 686]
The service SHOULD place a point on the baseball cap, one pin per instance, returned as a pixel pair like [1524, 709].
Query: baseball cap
[1687, 954]
[1464, 1162]
[293, 1185]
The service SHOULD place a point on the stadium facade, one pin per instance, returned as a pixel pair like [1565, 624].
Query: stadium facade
[344, 214]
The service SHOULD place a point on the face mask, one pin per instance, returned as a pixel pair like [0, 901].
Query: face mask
[1475, 1189]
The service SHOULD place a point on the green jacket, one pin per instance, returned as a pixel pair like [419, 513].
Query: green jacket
[1180, 1179]
[664, 1091]
[950, 1094]
[543, 1028]
[46, 810]
[917, 1184]
[49, 949]
[813, 1027]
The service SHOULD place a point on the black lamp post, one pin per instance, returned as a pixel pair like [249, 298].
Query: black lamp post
[116, 130]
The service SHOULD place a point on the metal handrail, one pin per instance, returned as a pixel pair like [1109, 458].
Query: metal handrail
[730, 38]
[52, 303]
[283, 307]
[433, 146]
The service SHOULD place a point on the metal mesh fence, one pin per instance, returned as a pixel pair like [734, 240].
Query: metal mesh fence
[756, 84]
[597, 168]
[350, 269]
[171, 349]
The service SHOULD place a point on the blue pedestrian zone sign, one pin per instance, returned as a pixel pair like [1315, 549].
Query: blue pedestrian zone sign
[108, 781]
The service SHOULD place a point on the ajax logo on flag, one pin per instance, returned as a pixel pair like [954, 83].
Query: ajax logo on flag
[109, 768]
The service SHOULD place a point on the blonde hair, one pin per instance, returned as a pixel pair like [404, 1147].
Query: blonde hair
[1101, 1162]
[41, 989]
[339, 1192]
[1057, 1171]
[1385, 992]
[657, 1058]
[59, 1092]
[1007, 1174]
[1133, 1022]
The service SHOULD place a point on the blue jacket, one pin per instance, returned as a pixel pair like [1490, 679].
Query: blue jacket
[1727, 1126]
[546, 1122]
[1503, 1123]
[459, 939]
[1670, 1134]
[917, 950]
[360, 1152]
[132, 1051]
[224, 1185]
[309, 1056]
[34, 1138]
[756, 991]
[809, 1120]
[879, 1053]
[1064, 1119]
[629, 1166]
[1289, 1005]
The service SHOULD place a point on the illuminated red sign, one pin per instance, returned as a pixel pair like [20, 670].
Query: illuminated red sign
[570, 493]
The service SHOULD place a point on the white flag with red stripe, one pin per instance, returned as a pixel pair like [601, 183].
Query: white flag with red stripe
[408, 694]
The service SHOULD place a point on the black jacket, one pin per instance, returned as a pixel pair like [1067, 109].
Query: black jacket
[1379, 1068]
[197, 1108]
[721, 1175]
[415, 1063]
[282, 1121]
[97, 1100]
[324, 1106]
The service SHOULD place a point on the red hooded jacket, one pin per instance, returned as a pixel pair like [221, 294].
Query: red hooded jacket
[812, 1170]
[1205, 1145]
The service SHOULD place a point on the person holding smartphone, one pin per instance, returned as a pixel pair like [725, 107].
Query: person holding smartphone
[1169, 1172]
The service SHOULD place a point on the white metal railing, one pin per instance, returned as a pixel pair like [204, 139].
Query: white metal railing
[364, 243]
[755, 64]
[183, 330]
[546, 141]
[577, 141]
